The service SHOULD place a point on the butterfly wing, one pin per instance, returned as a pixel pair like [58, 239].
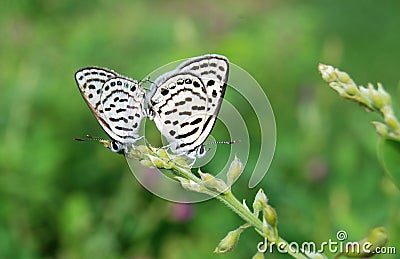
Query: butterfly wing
[186, 101]
[116, 101]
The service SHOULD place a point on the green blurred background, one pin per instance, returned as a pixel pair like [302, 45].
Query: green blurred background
[64, 199]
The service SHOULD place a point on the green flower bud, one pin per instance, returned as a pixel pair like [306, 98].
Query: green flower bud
[386, 99]
[143, 149]
[234, 172]
[381, 128]
[270, 216]
[134, 153]
[228, 242]
[327, 72]
[392, 122]
[375, 97]
[159, 163]
[364, 92]
[260, 201]
[180, 160]
[213, 182]
[162, 153]
[343, 76]
[189, 184]
[351, 89]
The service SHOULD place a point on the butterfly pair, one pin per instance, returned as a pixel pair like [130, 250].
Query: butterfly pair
[184, 103]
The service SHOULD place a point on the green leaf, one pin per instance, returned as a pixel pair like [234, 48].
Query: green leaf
[389, 157]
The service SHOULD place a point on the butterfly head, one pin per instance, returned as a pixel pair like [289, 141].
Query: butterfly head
[201, 151]
[113, 145]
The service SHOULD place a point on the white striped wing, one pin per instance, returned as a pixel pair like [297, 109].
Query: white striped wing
[186, 101]
[116, 101]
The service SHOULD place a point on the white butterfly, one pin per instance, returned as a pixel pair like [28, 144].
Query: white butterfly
[184, 103]
[116, 101]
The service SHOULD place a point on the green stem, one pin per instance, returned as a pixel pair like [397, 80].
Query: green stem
[233, 203]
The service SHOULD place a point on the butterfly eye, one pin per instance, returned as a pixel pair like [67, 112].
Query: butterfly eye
[201, 151]
[116, 147]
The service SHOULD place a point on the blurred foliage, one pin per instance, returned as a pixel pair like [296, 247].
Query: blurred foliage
[60, 198]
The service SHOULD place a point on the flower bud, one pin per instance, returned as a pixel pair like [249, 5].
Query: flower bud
[213, 182]
[381, 128]
[392, 122]
[343, 76]
[351, 89]
[270, 216]
[375, 97]
[228, 242]
[260, 201]
[189, 184]
[159, 163]
[143, 149]
[133, 153]
[180, 160]
[386, 99]
[327, 72]
[162, 153]
[234, 172]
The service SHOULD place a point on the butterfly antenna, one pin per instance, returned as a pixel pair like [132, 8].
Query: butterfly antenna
[89, 137]
[224, 142]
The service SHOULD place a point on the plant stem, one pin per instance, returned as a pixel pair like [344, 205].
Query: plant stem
[233, 203]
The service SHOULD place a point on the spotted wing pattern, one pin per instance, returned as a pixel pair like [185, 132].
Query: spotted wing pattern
[185, 102]
[116, 101]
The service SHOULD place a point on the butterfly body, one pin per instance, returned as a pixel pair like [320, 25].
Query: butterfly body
[184, 103]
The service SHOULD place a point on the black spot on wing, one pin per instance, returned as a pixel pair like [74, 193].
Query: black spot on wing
[187, 134]
[119, 119]
[198, 108]
[124, 129]
[185, 113]
[171, 111]
[120, 110]
[196, 121]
